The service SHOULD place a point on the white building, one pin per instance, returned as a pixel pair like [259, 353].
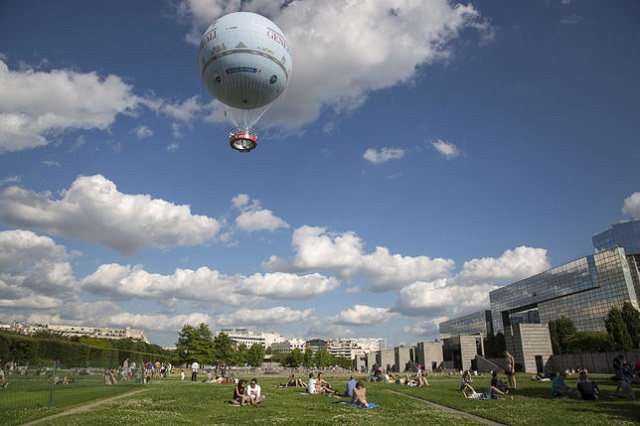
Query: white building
[289, 345]
[350, 348]
[239, 336]
[80, 331]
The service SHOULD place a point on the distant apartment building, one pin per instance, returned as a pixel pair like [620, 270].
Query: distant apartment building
[244, 336]
[78, 331]
[288, 345]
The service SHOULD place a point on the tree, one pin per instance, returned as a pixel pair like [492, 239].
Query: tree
[223, 349]
[617, 329]
[589, 341]
[323, 359]
[195, 344]
[294, 359]
[255, 356]
[631, 317]
[494, 345]
[307, 360]
[561, 331]
[242, 355]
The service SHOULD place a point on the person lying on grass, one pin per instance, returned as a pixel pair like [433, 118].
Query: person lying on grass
[491, 393]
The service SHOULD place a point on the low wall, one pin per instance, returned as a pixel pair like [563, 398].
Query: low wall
[595, 362]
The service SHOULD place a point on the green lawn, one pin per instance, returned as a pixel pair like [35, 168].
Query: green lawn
[186, 403]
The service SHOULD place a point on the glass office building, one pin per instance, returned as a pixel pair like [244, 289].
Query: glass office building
[583, 290]
[475, 323]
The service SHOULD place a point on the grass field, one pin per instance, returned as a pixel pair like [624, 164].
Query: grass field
[173, 402]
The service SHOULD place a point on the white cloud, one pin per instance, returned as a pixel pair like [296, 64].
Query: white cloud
[142, 131]
[342, 255]
[363, 315]
[253, 217]
[512, 265]
[124, 282]
[447, 149]
[631, 206]
[94, 210]
[442, 297]
[31, 111]
[260, 317]
[344, 50]
[316, 249]
[34, 271]
[385, 271]
[384, 155]
[428, 328]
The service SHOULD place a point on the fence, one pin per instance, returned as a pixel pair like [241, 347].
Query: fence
[29, 391]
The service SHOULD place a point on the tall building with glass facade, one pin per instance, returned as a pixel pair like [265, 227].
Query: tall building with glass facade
[583, 290]
[474, 323]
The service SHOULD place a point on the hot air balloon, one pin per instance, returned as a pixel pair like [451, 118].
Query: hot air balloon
[245, 62]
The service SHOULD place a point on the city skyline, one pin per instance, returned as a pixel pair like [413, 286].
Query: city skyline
[422, 156]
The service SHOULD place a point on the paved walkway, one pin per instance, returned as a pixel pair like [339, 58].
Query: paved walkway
[84, 407]
[449, 409]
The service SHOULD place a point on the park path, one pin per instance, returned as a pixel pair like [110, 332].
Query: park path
[81, 408]
[449, 409]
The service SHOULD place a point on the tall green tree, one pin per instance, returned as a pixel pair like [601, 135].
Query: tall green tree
[323, 359]
[495, 345]
[223, 349]
[294, 359]
[307, 360]
[589, 341]
[561, 330]
[617, 329]
[242, 355]
[631, 317]
[255, 356]
[195, 344]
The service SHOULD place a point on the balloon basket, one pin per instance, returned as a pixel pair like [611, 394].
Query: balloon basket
[243, 139]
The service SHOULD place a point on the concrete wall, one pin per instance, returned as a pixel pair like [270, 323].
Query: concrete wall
[595, 362]
[528, 342]
[402, 356]
[468, 350]
[386, 359]
[428, 353]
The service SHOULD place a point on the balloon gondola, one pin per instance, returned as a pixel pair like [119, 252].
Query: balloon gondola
[245, 62]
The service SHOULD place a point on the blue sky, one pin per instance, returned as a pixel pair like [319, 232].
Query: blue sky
[423, 154]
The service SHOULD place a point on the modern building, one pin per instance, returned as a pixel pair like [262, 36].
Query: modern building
[474, 323]
[583, 290]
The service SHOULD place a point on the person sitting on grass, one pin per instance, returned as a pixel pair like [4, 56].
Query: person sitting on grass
[359, 398]
[253, 393]
[559, 387]
[293, 383]
[311, 384]
[323, 386]
[587, 388]
[239, 397]
[351, 385]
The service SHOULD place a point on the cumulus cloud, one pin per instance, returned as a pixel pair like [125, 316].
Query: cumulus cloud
[343, 255]
[253, 217]
[631, 206]
[92, 209]
[442, 297]
[125, 282]
[142, 131]
[34, 271]
[31, 111]
[259, 317]
[363, 315]
[344, 50]
[384, 155]
[512, 265]
[447, 149]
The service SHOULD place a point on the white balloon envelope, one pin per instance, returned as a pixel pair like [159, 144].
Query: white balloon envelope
[245, 62]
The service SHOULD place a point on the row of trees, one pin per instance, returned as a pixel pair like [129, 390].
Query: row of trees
[623, 333]
[198, 344]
